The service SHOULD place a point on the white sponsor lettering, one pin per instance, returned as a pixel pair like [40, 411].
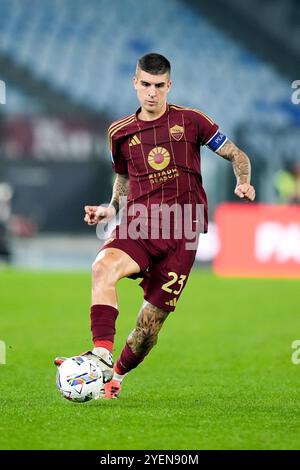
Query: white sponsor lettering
[278, 242]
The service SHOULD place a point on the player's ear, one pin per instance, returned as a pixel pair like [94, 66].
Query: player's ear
[135, 81]
[169, 86]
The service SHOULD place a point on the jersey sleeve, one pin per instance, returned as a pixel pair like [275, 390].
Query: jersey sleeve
[119, 162]
[206, 127]
[208, 132]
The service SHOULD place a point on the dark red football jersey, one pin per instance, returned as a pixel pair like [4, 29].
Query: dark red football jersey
[162, 157]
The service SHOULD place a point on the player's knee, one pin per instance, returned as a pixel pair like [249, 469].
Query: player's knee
[105, 272]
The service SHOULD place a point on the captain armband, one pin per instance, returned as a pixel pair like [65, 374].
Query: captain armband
[216, 141]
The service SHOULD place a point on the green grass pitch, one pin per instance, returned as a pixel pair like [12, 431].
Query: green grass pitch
[221, 376]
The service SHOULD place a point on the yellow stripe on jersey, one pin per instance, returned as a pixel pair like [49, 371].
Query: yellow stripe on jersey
[120, 121]
[179, 108]
[120, 126]
[116, 129]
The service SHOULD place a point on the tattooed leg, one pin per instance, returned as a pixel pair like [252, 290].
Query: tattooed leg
[150, 320]
[142, 339]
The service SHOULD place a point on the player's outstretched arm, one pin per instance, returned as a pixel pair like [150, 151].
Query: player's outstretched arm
[102, 214]
[242, 169]
[120, 189]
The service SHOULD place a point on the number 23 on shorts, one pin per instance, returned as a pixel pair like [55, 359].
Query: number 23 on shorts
[175, 278]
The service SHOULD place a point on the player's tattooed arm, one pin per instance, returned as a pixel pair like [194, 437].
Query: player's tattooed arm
[102, 214]
[120, 189]
[150, 320]
[241, 167]
[240, 161]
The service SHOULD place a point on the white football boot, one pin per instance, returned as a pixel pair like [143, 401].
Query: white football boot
[101, 356]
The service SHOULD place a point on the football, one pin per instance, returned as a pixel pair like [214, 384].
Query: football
[79, 379]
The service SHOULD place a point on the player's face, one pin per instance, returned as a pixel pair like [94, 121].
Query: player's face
[152, 90]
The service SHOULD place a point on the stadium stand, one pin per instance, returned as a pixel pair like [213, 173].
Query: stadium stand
[85, 50]
[18, 102]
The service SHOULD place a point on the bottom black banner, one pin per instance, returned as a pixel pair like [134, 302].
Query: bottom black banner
[135, 459]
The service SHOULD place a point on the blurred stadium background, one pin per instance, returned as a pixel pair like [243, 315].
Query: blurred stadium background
[222, 376]
[67, 68]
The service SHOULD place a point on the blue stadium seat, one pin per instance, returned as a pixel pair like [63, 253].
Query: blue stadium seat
[88, 49]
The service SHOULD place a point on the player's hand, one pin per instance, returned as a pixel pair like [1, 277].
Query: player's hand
[245, 191]
[98, 214]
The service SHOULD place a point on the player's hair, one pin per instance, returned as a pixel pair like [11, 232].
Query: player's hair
[153, 63]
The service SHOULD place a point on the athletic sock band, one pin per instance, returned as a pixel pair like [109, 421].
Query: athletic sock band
[103, 319]
[102, 343]
[127, 361]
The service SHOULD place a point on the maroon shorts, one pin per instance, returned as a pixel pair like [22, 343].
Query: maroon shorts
[165, 266]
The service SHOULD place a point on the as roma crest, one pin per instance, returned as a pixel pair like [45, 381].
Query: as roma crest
[177, 132]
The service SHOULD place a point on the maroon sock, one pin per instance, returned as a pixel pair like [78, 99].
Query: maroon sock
[127, 360]
[103, 319]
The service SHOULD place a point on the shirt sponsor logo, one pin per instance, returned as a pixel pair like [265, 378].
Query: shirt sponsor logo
[158, 158]
[163, 176]
[177, 132]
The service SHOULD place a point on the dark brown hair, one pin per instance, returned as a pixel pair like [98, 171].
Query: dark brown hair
[153, 63]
